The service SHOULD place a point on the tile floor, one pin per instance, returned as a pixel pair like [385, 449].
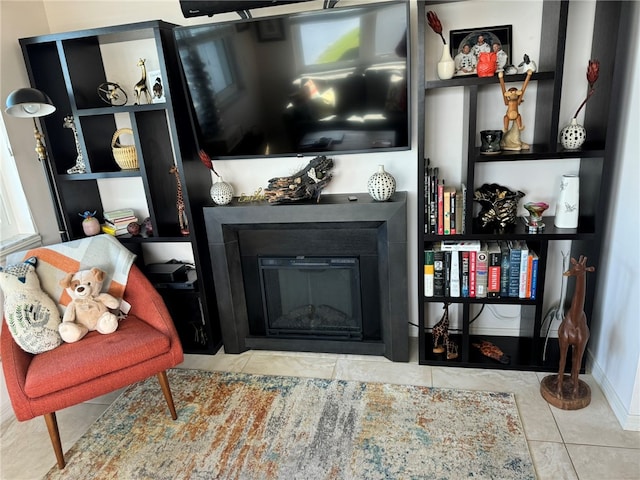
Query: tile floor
[584, 444]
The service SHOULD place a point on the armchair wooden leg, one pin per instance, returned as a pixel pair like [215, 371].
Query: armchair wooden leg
[52, 426]
[164, 384]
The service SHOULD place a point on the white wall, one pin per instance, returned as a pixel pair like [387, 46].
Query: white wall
[614, 347]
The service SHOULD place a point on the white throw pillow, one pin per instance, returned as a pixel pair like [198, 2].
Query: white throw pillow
[32, 316]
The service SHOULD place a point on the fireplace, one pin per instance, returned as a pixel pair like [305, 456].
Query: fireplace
[327, 277]
[311, 297]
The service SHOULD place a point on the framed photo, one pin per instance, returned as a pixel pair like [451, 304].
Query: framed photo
[270, 30]
[156, 84]
[498, 39]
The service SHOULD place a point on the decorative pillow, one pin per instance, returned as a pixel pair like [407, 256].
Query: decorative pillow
[32, 316]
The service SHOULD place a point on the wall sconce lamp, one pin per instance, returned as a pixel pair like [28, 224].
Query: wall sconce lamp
[33, 103]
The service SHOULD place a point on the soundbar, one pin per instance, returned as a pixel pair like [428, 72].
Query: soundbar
[200, 8]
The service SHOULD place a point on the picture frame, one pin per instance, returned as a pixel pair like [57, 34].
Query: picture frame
[270, 30]
[501, 34]
[156, 86]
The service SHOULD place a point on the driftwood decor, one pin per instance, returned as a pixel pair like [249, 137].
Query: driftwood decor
[306, 184]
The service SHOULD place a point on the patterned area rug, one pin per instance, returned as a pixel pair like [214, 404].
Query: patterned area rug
[239, 426]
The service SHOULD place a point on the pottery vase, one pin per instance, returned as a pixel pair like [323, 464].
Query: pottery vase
[446, 65]
[573, 135]
[90, 226]
[381, 185]
[221, 192]
[486, 64]
[567, 210]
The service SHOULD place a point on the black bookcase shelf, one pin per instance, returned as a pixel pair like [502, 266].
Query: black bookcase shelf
[69, 67]
[595, 159]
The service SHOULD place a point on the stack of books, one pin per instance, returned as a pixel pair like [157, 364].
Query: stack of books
[443, 204]
[477, 269]
[116, 221]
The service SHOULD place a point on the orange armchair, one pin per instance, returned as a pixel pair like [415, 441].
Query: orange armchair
[146, 343]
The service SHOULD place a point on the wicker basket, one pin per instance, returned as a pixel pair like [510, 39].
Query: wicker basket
[125, 155]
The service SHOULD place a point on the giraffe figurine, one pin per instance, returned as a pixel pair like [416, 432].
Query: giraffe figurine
[79, 167]
[182, 217]
[440, 333]
[141, 87]
[573, 330]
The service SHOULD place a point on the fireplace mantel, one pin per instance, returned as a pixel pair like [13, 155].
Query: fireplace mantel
[333, 211]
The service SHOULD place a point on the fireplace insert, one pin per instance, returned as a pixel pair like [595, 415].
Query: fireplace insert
[314, 297]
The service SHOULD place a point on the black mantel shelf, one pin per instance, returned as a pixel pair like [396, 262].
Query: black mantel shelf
[389, 218]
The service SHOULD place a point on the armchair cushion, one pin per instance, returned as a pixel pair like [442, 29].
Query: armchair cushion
[134, 341]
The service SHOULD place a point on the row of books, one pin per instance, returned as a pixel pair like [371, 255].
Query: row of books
[474, 269]
[443, 204]
[116, 221]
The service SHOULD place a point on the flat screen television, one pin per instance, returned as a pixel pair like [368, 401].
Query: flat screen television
[328, 81]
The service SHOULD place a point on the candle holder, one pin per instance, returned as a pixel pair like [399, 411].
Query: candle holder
[534, 222]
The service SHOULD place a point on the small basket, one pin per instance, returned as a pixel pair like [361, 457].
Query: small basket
[125, 155]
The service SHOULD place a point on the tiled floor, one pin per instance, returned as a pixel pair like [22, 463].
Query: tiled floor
[583, 444]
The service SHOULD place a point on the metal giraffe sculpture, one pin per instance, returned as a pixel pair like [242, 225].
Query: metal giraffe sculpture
[141, 87]
[182, 217]
[79, 167]
[573, 330]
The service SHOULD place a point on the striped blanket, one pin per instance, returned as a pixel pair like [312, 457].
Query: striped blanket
[55, 261]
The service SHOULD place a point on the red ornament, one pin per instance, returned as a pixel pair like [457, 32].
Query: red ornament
[486, 64]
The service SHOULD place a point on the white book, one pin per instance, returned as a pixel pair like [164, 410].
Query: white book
[454, 282]
[459, 246]
[524, 270]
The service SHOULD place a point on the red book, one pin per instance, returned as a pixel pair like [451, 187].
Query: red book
[472, 274]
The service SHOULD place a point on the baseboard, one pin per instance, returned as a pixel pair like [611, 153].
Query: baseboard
[626, 420]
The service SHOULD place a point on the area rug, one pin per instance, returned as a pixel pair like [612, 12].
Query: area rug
[240, 426]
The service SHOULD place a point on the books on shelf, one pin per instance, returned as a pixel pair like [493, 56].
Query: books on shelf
[444, 204]
[499, 269]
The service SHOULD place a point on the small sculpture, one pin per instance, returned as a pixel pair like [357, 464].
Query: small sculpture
[141, 87]
[573, 332]
[491, 350]
[440, 334]
[512, 99]
[79, 167]
[527, 65]
[90, 224]
[182, 217]
[499, 206]
[112, 94]
[535, 209]
[306, 184]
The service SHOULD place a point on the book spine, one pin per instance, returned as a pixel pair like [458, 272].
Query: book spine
[447, 274]
[452, 215]
[434, 201]
[529, 272]
[441, 208]
[514, 269]
[446, 209]
[482, 269]
[504, 269]
[472, 274]
[438, 273]
[493, 286]
[524, 263]
[534, 276]
[463, 209]
[455, 274]
[464, 280]
[428, 273]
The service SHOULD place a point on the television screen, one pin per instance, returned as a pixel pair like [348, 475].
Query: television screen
[321, 82]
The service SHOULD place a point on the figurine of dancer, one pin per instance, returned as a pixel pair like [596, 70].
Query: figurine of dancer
[512, 99]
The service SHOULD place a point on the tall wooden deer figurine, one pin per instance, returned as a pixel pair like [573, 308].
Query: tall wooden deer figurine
[141, 87]
[573, 331]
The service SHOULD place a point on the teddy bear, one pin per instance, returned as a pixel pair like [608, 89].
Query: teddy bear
[89, 309]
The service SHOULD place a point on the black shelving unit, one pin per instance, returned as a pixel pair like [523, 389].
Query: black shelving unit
[596, 158]
[69, 67]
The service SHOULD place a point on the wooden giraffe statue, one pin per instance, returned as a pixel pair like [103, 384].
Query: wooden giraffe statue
[573, 330]
[79, 167]
[141, 87]
[440, 333]
[182, 217]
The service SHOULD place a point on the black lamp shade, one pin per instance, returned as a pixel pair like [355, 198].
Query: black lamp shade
[28, 103]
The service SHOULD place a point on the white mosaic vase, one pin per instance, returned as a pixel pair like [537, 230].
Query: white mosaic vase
[221, 192]
[381, 185]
